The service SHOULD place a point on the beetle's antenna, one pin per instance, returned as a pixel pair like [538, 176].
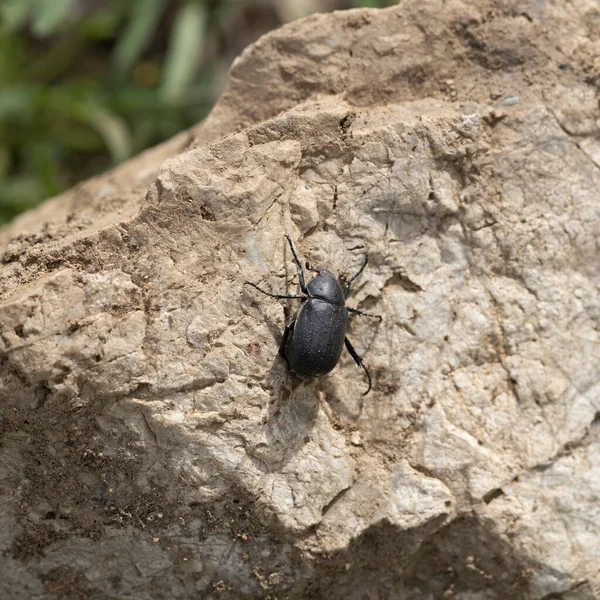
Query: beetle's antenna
[309, 268]
[298, 266]
[349, 282]
[274, 295]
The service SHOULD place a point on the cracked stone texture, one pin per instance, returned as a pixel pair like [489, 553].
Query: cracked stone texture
[154, 445]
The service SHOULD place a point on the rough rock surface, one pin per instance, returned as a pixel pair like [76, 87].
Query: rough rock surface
[154, 446]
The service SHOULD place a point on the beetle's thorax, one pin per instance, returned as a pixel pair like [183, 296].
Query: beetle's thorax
[325, 286]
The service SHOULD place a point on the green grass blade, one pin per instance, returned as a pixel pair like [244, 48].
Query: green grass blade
[114, 131]
[185, 50]
[45, 166]
[49, 15]
[14, 13]
[145, 15]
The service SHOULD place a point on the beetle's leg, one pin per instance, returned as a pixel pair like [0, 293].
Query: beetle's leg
[288, 329]
[348, 283]
[274, 295]
[298, 266]
[358, 361]
[362, 313]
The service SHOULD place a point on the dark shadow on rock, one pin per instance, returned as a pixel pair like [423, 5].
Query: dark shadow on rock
[463, 557]
[290, 419]
[347, 401]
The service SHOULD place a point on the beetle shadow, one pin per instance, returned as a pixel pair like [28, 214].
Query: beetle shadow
[293, 405]
[347, 401]
[291, 416]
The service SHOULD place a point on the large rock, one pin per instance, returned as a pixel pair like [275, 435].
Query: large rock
[155, 446]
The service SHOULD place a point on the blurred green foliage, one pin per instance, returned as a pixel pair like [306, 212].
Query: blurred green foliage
[85, 84]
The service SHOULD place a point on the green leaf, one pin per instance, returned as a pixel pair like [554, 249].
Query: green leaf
[4, 162]
[144, 18]
[185, 50]
[76, 139]
[16, 101]
[103, 24]
[82, 102]
[45, 168]
[49, 16]
[14, 13]
[114, 132]
[56, 61]
[11, 58]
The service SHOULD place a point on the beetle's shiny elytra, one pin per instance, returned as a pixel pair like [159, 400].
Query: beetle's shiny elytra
[318, 333]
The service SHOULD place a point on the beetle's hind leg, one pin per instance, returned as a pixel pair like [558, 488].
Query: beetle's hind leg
[356, 311]
[289, 328]
[358, 361]
[274, 295]
[298, 266]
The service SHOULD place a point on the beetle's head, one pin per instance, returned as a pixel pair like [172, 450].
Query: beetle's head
[325, 273]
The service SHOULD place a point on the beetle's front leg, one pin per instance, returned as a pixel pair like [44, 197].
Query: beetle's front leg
[358, 361]
[288, 329]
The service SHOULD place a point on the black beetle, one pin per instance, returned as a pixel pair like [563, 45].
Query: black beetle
[319, 330]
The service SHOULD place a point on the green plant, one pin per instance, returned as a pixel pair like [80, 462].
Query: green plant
[84, 89]
[78, 95]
